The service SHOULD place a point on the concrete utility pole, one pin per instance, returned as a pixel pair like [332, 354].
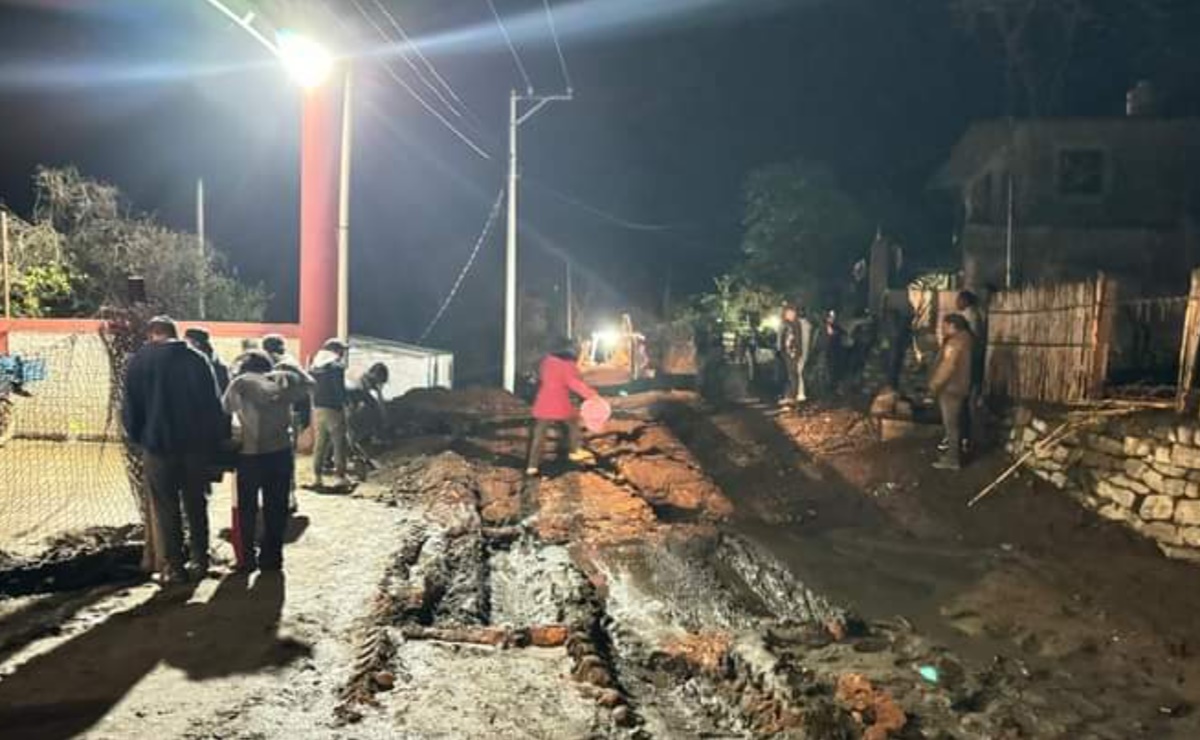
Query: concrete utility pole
[570, 302]
[4, 257]
[515, 119]
[343, 266]
[200, 246]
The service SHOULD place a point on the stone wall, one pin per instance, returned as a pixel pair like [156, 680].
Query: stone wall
[1142, 470]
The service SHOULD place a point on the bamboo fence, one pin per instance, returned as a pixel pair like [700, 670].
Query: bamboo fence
[1051, 342]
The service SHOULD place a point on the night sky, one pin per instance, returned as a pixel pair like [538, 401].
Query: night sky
[670, 116]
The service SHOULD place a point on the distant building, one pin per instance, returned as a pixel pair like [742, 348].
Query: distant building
[1079, 195]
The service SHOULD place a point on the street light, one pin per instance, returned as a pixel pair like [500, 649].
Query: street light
[310, 64]
[305, 60]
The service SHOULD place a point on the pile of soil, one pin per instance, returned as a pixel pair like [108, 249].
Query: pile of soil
[457, 412]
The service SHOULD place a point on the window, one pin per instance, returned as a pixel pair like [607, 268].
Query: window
[1081, 172]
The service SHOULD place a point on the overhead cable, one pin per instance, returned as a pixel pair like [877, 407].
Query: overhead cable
[513, 49]
[562, 60]
[466, 268]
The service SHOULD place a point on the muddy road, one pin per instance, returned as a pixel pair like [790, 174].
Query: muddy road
[726, 572]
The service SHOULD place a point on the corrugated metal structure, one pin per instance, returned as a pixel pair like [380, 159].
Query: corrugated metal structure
[409, 366]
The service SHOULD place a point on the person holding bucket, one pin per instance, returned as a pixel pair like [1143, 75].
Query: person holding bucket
[558, 377]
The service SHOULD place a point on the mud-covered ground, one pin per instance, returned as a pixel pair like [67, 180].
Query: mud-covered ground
[723, 572]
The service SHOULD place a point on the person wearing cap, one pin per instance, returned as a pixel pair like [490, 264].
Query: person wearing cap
[199, 339]
[173, 413]
[328, 370]
[262, 398]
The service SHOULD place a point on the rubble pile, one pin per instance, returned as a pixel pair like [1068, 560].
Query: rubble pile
[1141, 470]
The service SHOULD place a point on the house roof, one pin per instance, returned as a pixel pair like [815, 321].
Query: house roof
[982, 142]
[986, 140]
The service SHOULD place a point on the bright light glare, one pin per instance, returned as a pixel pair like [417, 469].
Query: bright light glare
[306, 61]
[772, 323]
[606, 337]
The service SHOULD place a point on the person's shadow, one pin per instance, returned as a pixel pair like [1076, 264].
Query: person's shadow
[68, 690]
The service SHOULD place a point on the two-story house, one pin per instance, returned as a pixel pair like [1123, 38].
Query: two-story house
[1051, 199]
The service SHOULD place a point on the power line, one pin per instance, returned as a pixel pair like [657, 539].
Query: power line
[416, 50]
[508, 40]
[462, 274]
[405, 45]
[387, 67]
[404, 56]
[562, 60]
[599, 212]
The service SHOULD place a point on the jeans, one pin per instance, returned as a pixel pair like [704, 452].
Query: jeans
[171, 479]
[270, 474]
[330, 427]
[537, 441]
[795, 378]
[953, 407]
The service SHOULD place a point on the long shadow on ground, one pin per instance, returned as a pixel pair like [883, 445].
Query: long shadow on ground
[68, 690]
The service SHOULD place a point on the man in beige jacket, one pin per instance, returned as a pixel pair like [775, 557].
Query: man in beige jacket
[951, 385]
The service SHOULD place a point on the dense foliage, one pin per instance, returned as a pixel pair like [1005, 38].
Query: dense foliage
[84, 244]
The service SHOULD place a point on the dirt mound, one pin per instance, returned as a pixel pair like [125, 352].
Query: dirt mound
[585, 507]
[442, 411]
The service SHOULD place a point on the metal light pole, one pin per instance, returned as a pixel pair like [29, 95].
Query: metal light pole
[515, 119]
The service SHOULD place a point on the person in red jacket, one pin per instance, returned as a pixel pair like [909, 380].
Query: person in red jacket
[558, 377]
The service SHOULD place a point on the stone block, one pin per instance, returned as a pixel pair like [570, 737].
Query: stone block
[1116, 513]
[1188, 512]
[1162, 454]
[1192, 490]
[1181, 553]
[1170, 471]
[1189, 536]
[1029, 436]
[1193, 476]
[1022, 415]
[1161, 532]
[1157, 508]
[1039, 425]
[1176, 487]
[1185, 457]
[1184, 435]
[1120, 496]
[1061, 454]
[1153, 480]
[1100, 461]
[1132, 444]
[1107, 445]
[1135, 468]
[1059, 480]
[1133, 485]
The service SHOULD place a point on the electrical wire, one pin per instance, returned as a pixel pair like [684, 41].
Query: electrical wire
[599, 212]
[462, 274]
[508, 40]
[404, 55]
[416, 50]
[404, 85]
[562, 60]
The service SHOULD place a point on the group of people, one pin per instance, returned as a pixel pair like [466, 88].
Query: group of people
[809, 354]
[180, 406]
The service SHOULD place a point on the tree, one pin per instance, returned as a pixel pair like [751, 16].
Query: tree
[98, 244]
[802, 231]
[1040, 39]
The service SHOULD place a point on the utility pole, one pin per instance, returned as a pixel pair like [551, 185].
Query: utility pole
[570, 302]
[200, 246]
[343, 239]
[515, 119]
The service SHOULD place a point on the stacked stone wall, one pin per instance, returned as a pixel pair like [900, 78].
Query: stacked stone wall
[1142, 470]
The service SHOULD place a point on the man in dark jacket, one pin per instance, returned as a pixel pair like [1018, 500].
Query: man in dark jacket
[173, 413]
[199, 339]
[328, 369]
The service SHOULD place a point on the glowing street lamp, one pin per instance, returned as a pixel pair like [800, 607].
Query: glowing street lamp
[308, 62]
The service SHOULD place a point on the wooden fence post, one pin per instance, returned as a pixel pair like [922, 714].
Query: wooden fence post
[1188, 345]
[1102, 329]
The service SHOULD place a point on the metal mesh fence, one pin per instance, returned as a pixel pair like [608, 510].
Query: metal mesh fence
[62, 462]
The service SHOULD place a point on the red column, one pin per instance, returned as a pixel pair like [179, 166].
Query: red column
[320, 155]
